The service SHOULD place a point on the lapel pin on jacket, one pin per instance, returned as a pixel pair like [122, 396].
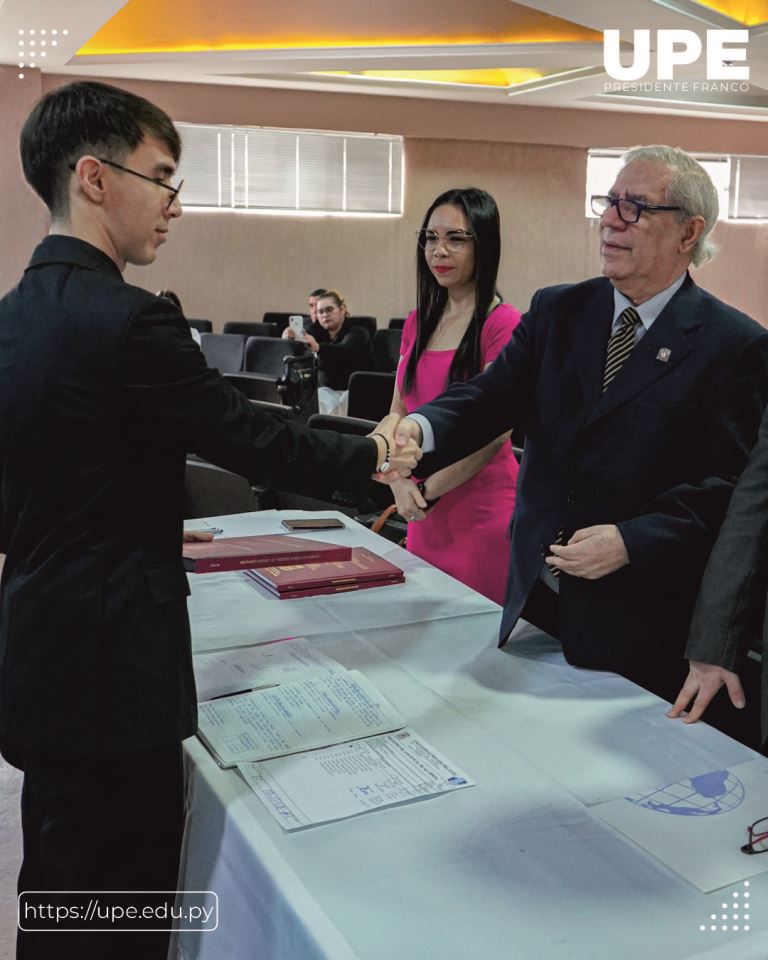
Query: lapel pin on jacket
[664, 354]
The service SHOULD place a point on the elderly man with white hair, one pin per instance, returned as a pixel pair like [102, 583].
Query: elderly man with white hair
[640, 395]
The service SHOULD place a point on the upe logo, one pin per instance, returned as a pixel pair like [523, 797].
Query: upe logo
[677, 48]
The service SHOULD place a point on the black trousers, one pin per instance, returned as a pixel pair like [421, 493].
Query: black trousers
[106, 823]
[542, 609]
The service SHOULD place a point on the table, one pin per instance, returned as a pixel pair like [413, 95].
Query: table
[514, 867]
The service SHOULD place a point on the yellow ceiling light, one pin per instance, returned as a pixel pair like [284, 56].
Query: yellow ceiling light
[199, 25]
[485, 78]
[748, 12]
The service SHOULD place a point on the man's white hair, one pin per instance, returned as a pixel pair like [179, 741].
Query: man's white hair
[690, 188]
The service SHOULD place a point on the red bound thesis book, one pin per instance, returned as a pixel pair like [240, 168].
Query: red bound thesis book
[239, 553]
[364, 569]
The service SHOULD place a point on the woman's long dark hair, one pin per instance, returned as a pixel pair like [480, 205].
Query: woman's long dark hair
[483, 217]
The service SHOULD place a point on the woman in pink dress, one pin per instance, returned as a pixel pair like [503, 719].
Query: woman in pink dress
[459, 326]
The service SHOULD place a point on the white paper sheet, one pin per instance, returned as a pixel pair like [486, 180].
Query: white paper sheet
[698, 825]
[353, 778]
[316, 712]
[280, 661]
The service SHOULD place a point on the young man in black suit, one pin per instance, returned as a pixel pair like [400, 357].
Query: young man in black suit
[103, 393]
[640, 395]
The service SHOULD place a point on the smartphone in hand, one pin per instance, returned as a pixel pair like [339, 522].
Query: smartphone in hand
[296, 323]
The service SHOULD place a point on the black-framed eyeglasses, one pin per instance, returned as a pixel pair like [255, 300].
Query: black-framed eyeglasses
[174, 191]
[758, 837]
[628, 210]
[454, 240]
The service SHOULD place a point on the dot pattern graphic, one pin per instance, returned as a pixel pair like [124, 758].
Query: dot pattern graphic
[29, 45]
[739, 905]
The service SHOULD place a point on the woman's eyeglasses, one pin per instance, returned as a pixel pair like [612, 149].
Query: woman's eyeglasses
[454, 241]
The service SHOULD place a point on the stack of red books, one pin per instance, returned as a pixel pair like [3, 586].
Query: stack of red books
[239, 553]
[362, 571]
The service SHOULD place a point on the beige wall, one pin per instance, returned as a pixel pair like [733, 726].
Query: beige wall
[244, 265]
[23, 219]
[234, 267]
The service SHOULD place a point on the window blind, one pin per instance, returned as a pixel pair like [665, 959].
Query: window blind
[258, 168]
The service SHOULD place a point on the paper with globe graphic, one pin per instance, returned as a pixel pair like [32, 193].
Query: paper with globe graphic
[697, 825]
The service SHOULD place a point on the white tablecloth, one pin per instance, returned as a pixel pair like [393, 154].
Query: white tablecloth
[515, 867]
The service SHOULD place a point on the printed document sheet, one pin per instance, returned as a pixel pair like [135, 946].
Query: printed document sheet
[263, 665]
[315, 712]
[352, 778]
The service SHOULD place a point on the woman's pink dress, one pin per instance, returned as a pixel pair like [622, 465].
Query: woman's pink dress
[466, 533]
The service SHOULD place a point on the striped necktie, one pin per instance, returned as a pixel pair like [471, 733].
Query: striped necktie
[619, 348]
[620, 344]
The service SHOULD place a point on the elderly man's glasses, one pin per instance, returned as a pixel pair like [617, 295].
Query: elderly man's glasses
[758, 837]
[454, 241]
[628, 210]
[174, 191]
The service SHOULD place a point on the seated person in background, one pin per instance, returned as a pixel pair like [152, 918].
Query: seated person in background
[312, 303]
[340, 347]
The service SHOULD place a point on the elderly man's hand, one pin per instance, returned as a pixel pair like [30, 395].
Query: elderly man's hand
[591, 553]
[407, 430]
[701, 684]
[404, 453]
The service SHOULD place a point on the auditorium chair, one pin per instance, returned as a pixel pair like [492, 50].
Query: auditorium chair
[369, 323]
[223, 351]
[256, 386]
[202, 326]
[210, 491]
[265, 354]
[370, 394]
[250, 329]
[386, 350]
[276, 409]
[295, 385]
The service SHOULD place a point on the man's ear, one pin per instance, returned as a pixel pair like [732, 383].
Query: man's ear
[692, 230]
[88, 179]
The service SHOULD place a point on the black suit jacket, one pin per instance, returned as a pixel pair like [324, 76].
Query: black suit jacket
[730, 612]
[103, 393]
[658, 454]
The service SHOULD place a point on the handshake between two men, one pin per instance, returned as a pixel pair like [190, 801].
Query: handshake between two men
[398, 440]
[591, 553]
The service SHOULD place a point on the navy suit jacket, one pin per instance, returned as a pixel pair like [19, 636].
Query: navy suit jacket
[658, 454]
[731, 613]
[103, 393]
